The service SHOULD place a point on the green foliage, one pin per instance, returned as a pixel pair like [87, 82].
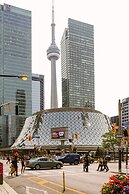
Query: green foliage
[99, 152]
[109, 141]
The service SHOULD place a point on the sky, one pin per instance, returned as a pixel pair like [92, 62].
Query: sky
[111, 44]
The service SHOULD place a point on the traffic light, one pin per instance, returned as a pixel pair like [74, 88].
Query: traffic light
[29, 138]
[124, 141]
[76, 135]
[113, 128]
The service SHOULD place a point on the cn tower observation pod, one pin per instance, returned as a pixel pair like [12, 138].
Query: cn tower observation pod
[49, 128]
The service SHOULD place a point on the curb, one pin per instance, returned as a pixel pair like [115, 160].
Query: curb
[118, 172]
[6, 189]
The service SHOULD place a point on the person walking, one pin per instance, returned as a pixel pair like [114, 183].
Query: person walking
[22, 164]
[8, 160]
[105, 165]
[15, 164]
[100, 166]
[85, 164]
[12, 169]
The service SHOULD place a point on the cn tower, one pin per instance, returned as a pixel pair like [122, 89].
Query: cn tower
[53, 54]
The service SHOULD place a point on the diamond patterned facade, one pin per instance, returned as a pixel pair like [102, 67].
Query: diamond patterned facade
[89, 124]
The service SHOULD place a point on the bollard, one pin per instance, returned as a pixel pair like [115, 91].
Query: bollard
[63, 182]
[1, 173]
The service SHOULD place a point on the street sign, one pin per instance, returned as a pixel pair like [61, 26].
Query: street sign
[119, 135]
[36, 136]
[125, 124]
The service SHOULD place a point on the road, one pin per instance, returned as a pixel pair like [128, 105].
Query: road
[69, 180]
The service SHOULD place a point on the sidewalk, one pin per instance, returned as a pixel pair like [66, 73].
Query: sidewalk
[124, 168]
[6, 189]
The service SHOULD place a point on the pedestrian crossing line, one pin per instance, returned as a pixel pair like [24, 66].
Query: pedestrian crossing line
[53, 173]
[34, 189]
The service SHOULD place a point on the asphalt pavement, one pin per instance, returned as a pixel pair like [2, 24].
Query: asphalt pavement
[6, 189]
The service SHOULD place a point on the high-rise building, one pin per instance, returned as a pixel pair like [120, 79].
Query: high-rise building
[15, 59]
[77, 65]
[53, 54]
[37, 93]
[125, 112]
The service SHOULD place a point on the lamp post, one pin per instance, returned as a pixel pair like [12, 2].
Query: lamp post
[22, 77]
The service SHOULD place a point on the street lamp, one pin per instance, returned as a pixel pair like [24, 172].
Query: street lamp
[22, 77]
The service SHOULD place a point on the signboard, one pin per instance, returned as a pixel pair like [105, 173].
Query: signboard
[36, 136]
[119, 135]
[1, 169]
[1, 173]
[59, 133]
[125, 124]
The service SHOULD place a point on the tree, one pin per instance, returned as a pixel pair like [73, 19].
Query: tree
[99, 152]
[109, 142]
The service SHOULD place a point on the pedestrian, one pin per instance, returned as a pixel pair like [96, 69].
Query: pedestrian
[22, 164]
[105, 165]
[15, 164]
[100, 166]
[8, 160]
[85, 164]
[12, 169]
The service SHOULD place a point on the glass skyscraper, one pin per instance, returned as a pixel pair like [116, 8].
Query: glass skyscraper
[15, 59]
[77, 65]
[37, 93]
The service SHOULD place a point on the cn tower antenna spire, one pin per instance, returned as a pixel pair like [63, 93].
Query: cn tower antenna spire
[53, 24]
[53, 11]
[53, 53]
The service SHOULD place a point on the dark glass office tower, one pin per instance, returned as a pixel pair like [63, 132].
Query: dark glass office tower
[15, 59]
[37, 93]
[77, 65]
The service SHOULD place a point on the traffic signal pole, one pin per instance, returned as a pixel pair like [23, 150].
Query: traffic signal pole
[120, 131]
[127, 154]
[125, 132]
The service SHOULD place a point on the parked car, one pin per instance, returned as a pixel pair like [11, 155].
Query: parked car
[71, 158]
[108, 157]
[44, 163]
[91, 159]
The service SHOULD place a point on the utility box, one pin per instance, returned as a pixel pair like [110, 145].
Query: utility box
[1, 173]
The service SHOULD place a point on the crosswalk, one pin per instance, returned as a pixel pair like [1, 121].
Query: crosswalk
[53, 172]
[67, 169]
[43, 172]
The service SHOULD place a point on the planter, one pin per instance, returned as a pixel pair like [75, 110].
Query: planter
[118, 184]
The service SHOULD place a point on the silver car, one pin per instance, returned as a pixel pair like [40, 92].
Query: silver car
[44, 163]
